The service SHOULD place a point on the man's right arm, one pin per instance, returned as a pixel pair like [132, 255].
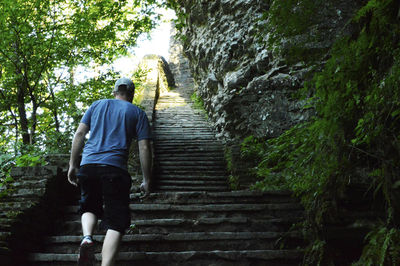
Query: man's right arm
[146, 161]
[77, 146]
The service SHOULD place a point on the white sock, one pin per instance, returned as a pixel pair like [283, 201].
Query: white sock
[87, 239]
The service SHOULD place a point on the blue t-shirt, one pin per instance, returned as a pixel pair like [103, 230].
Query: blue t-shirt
[113, 124]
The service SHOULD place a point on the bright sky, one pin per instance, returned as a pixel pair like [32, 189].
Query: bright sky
[157, 44]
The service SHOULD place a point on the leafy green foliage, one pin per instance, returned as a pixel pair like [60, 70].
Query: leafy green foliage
[382, 248]
[30, 157]
[6, 162]
[43, 43]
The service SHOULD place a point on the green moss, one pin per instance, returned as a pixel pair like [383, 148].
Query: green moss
[198, 103]
[234, 183]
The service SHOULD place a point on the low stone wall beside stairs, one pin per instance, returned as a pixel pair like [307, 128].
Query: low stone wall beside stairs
[30, 210]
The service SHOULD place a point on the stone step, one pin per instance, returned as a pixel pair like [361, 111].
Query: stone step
[166, 226]
[192, 178]
[159, 115]
[6, 207]
[182, 152]
[191, 211]
[182, 137]
[199, 172]
[211, 145]
[169, 182]
[182, 127]
[185, 258]
[185, 123]
[240, 196]
[189, 157]
[195, 241]
[194, 175]
[181, 130]
[201, 163]
[29, 182]
[201, 133]
[191, 167]
[36, 172]
[187, 143]
[24, 193]
[163, 119]
[199, 154]
[191, 188]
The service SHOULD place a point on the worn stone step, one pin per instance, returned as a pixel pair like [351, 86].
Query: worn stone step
[203, 163]
[240, 196]
[234, 207]
[215, 207]
[195, 241]
[14, 206]
[28, 182]
[185, 138]
[166, 226]
[162, 118]
[189, 144]
[179, 130]
[194, 156]
[199, 175]
[37, 172]
[183, 122]
[191, 188]
[182, 137]
[191, 211]
[167, 182]
[182, 167]
[24, 193]
[181, 127]
[186, 149]
[187, 158]
[194, 178]
[195, 173]
[185, 258]
[197, 133]
[199, 172]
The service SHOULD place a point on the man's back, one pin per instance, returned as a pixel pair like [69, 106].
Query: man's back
[113, 123]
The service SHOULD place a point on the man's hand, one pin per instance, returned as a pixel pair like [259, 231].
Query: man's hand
[72, 178]
[76, 149]
[145, 155]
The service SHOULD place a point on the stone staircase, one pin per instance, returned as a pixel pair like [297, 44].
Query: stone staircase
[192, 218]
[187, 155]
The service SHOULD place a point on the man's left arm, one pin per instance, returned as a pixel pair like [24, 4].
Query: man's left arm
[77, 146]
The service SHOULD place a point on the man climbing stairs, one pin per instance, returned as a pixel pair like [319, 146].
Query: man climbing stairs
[192, 218]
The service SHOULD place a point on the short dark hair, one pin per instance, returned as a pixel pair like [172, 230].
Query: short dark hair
[124, 92]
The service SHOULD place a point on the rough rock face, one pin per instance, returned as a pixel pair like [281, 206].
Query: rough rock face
[248, 89]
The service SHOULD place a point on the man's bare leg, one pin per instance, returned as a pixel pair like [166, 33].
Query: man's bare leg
[89, 222]
[110, 247]
[86, 250]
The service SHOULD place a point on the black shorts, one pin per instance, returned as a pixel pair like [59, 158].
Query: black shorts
[109, 186]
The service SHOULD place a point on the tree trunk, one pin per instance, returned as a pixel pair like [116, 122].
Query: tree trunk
[23, 120]
[55, 113]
